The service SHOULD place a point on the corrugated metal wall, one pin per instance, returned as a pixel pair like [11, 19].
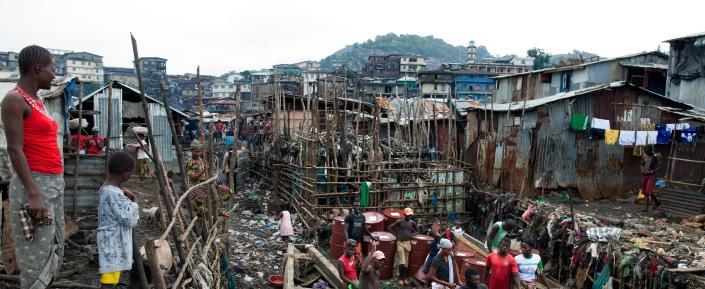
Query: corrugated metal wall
[521, 174]
[504, 92]
[604, 72]
[690, 92]
[162, 135]
[563, 158]
[132, 109]
[555, 149]
[101, 120]
[91, 175]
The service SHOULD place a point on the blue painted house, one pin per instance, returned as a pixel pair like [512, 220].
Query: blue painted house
[473, 84]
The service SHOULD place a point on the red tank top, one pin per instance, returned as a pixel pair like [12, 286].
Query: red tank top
[40, 148]
[349, 268]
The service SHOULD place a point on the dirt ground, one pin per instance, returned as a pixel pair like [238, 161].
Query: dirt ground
[86, 263]
[620, 209]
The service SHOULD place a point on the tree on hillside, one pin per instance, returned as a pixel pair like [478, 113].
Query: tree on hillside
[542, 59]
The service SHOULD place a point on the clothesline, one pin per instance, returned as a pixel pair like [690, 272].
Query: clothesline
[600, 129]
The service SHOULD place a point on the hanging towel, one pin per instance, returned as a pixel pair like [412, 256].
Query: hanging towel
[661, 126]
[596, 134]
[652, 137]
[641, 138]
[664, 137]
[671, 126]
[611, 136]
[365, 194]
[627, 137]
[682, 126]
[600, 123]
[578, 122]
[688, 135]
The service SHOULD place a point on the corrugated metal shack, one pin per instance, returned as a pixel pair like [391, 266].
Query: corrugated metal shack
[126, 109]
[646, 69]
[686, 75]
[524, 145]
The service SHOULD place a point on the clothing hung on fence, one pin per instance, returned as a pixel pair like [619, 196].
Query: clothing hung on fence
[651, 137]
[627, 137]
[688, 135]
[578, 122]
[641, 138]
[611, 136]
[663, 137]
[600, 123]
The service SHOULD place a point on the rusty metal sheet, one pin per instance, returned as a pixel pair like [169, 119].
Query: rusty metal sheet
[481, 157]
[488, 157]
[681, 203]
[529, 120]
[586, 165]
[508, 158]
[471, 129]
[521, 172]
[497, 168]
[610, 172]
[555, 159]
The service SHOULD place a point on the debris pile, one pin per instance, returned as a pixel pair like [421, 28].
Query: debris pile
[592, 251]
[257, 248]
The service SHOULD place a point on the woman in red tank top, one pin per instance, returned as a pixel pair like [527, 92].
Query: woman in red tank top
[37, 187]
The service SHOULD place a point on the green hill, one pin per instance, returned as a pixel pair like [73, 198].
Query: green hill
[434, 49]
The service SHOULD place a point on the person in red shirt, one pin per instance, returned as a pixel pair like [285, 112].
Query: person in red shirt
[501, 268]
[95, 143]
[219, 127]
[348, 264]
[36, 191]
[81, 142]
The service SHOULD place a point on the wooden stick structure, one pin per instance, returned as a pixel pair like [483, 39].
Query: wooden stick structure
[153, 260]
[160, 170]
[78, 146]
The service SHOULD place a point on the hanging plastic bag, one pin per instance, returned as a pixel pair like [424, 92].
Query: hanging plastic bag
[639, 197]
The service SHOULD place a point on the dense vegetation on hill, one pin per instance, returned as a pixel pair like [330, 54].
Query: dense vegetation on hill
[436, 50]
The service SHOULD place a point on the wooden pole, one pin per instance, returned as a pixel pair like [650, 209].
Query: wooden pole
[153, 260]
[232, 181]
[137, 276]
[77, 163]
[521, 127]
[177, 144]
[161, 175]
[201, 125]
[212, 199]
[109, 129]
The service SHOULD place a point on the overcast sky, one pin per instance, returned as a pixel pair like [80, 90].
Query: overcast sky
[221, 36]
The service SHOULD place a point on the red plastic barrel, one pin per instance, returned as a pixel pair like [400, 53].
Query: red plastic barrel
[391, 216]
[374, 221]
[475, 262]
[461, 258]
[420, 247]
[387, 244]
[337, 240]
